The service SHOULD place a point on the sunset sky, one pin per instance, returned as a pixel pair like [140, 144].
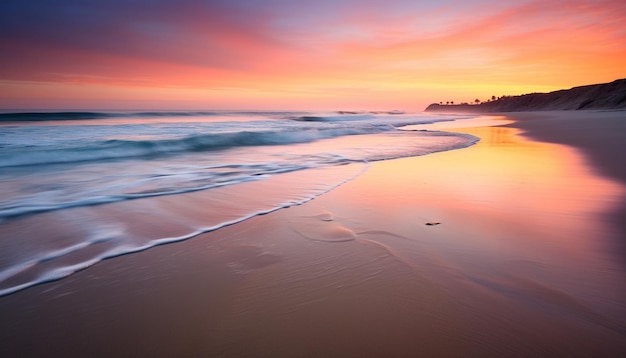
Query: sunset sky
[286, 54]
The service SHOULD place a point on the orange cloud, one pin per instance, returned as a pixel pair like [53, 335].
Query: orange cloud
[359, 57]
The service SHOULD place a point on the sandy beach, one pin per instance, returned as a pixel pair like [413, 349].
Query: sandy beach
[523, 257]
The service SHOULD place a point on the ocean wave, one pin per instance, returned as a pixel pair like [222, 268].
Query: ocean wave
[90, 115]
[125, 149]
[72, 116]
[60, 189]
[104, 240]
[20, 210]
[343, 117]
[53, 116]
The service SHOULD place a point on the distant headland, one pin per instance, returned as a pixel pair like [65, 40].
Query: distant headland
[599, 96]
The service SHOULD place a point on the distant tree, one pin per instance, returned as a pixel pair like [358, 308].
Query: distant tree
[451, 102]
[447, 103]
[493, 98]
[441, 102]
[477, 101]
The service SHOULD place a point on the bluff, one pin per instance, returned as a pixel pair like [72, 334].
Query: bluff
[599, 96]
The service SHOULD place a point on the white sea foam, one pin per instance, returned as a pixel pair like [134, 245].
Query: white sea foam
[66, 178]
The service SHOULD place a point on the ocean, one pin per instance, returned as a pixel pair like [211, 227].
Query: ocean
[80, 187]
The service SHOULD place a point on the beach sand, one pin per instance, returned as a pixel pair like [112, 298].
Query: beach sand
[522, 260]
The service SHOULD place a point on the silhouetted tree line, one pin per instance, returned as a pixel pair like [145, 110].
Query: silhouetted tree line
[476, 101]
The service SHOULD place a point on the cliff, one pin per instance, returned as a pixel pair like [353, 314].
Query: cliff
[599, 96]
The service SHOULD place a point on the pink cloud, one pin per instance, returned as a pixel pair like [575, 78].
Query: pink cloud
[349, 52]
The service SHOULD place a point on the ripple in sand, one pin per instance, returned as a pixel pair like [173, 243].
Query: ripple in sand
[321, 227]
[325, 216]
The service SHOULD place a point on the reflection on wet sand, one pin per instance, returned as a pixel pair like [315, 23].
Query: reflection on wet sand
[517, 267]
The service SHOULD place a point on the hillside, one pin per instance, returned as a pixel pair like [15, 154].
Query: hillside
[599, 96]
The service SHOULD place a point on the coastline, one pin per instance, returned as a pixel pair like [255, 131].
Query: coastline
[520, 265]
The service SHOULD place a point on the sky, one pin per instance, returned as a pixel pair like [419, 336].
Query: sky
[300, 55]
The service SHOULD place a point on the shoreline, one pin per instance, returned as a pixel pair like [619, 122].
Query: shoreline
[520, 265]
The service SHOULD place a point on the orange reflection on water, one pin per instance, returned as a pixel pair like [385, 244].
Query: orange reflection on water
[511, 210]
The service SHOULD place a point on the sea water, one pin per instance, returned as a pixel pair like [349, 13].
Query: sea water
[80, 187]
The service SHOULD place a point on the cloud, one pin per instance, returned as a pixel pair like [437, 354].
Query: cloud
[47, 37]
[307, 48]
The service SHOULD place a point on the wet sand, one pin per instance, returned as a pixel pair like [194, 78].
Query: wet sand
[521, 263]
[598, 134]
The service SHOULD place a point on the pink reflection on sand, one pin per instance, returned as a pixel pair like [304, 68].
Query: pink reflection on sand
[518, 219]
